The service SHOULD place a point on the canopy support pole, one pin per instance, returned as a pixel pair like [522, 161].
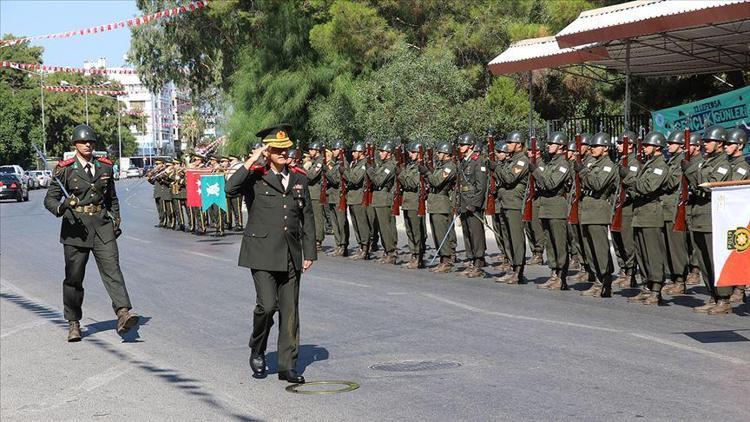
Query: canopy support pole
[531, 106]
[626, 110]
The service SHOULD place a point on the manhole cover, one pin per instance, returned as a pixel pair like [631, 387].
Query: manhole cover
[415, 365]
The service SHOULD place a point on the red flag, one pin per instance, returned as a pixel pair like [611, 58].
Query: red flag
[193, 186]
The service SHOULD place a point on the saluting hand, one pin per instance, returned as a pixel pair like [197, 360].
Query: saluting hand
[255, 156]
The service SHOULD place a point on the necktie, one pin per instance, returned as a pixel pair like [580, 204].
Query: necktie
[281, 180]
[87, 167]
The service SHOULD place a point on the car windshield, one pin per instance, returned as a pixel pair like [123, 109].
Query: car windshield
[8, 178]
[7, 170]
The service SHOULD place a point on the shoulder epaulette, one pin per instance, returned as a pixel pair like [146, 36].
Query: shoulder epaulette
[298, 170]
[259, 169]
[105, 160]
[475, 156]
[66, 163]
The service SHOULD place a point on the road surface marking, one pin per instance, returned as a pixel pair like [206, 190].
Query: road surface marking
[205, 255]
[136, 239]
[714, 355]
[22, 327]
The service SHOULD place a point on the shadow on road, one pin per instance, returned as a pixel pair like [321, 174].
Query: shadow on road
[720, 336]
[308, 353]
[132, 336]
[173, 377]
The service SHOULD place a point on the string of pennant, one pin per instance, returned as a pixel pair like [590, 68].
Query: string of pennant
[126, 23]
[90, 89]
[65, 69]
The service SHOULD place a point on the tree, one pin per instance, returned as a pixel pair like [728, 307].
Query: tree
[192, 128]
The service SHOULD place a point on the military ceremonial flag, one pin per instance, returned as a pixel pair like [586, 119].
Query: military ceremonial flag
[193, 186]
[730, 211]
[212, 191]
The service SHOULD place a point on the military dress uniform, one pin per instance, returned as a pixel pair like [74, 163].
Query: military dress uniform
[383, 176]
[648, 220]
[339, 217]
[472, 180]
[90, 224]
[314, 183]
[414, 223]
[513, 178]
[623, 241]
[598, 183]
[552, 184]
[676, 241]
[279, 235]
[355, 189]
[439, 207]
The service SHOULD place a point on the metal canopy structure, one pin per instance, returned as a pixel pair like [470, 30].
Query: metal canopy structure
[652, 37]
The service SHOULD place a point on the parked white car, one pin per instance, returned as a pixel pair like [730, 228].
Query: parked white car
[42, 176]
[18, 171]
[133, 171]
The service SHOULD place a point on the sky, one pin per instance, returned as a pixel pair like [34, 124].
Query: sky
[39, 17]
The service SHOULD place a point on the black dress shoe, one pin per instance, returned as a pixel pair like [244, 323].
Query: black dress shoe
[291, 376]
[258, 365]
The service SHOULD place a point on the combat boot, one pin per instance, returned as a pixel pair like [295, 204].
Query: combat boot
[319, 246]
[645, 293]
[738, 295]
[536, 259]
[553, 278]
[469, 268]
[476, 269]
[436, 267]
[125, 320]
[447, 266]
[574, 265]
[514, 277]
[74, 331]
[653, 299]
[366, 253]
[582, 276]
[505, 268]
[361, 254]
[694, 277]
[723, 307]
[413, 263]
[606, 286]
[703, 309]
[594, 290]
[622, 280]
[676, 288]
[336, 251]
[420, 261]
[389, 258]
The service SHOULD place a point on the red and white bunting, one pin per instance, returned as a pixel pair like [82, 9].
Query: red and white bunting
[127, 23]
[83, 89]
[65, 69]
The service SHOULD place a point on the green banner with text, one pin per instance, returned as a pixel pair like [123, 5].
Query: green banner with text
[729, 110]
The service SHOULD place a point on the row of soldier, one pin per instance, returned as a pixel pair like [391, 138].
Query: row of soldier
[562, 200]
[170, 194]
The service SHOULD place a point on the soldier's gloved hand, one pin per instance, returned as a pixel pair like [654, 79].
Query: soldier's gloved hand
[470, 208]
[578, 166]
[623, 171]
[492, 165]
[533, 166]
[423, 169]
[684, 164]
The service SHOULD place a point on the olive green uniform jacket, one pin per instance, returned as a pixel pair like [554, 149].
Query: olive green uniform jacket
[441, 182]
[715, 168]
[383, 176]
[409, 178]
[512, 176]
[553, 180]
[598, 183]
[646, 189]
[472, 180]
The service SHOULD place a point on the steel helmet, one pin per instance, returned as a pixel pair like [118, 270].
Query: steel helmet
[466, 139]
[515, 137]
[83, 133]
[387, 146]
[338, 144]
[736, 136]
[558, 138]
[654, 138]
[414, 146]
[676, 137]
[715, 133]
[600, 139]
[358, 147]
[632, 136]
[695, 138]
[500, 145]
[317, 145]
[445, 148]
[585, 138]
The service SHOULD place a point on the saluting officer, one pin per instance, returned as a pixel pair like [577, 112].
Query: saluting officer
[623, 240]
[439, 205]
[278, 245]
[648, 218]
[677, 243]
[413, 222]
[552, 179]
[355, 189]
[90, 223]
[472, 180]
[383, 176]
[736, 139]
[598, 178]
[339, 217]
[314, 182]
[514, 180]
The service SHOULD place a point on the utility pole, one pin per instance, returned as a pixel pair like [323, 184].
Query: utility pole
[44, 130]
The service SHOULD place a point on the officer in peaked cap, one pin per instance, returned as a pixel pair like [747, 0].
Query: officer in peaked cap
[90, 223]
[278, 245]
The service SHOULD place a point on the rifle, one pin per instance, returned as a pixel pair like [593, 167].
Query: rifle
[422, 185]
[72, 199]
[490, 209]
[528, 203]
[573, 215]
[430, 160]
[342, 183]
[640, 145]
[457, 185]
[324, 180]
[621, 194]
[680, 219]
[397, 194]
[367, 196]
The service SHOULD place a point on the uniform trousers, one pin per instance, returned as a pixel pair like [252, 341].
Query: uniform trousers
[361, 224]
[387, 228]
[320, 220]
[415, 231]
[440, 224]
[625, 244]
[677, 245]
[473, 231]
[556, 234]
[534, 230]
[277, 289]
[704, 248]
[651, 254]
[340, 223]
[497, 227]
[107, 259]
[515, 241]
[599, 257]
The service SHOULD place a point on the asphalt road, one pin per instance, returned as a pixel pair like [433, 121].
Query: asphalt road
[488, 351]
